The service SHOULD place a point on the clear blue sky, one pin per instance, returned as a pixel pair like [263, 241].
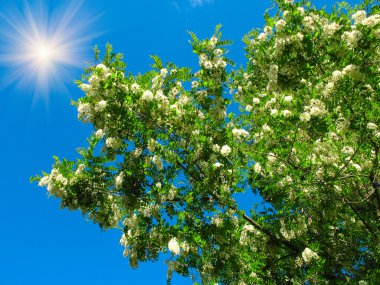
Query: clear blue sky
[39, 243]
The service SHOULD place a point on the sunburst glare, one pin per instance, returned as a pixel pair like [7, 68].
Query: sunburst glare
[40, 46]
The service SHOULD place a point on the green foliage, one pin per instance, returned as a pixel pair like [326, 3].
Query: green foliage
[165, 158]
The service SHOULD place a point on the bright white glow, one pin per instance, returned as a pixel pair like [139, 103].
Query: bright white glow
[44, 53]
[40, 46]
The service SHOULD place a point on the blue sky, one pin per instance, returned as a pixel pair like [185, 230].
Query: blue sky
[39, 243]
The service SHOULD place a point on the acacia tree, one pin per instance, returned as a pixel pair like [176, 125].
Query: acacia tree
[165, 159]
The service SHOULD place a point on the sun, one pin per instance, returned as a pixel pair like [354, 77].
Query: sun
[41, 46]
[44, 52]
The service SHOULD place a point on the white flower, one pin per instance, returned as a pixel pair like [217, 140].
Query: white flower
[371, 21]
[308, 22]
[274, 112]
[173, 246]
[217, 164]
[280, 24]
[266, 128]
[330, 29]
[61, 179]
[288, 98]
[81, 167]
[213, 41]
[315, 111]
[249, 228]
[44, 181]
[336, 75]
[99, 134]
[273, 72]
[286, 113]
[218, 52]
[271, 157]
[248, 108]
[357, 167]
[217, 221]
[194, 84]
[262, 36]
[157, 161]
[220, 63]
[257, 168]
[94, 79]
[301, 10]
[348, 150]
[267, 29]
[102, 68]
[225, 150]
[207, 64]
[119, 180]
[371, 126]
[308, 255]
[256, 101]
[289, 1]
[253, 275]
[85, 87]
[359, 16]
[353, 71]
[351, 38]
[270, 103]
[112, 142]
[101, 105]
[216, 148]
[305, 117]
[123, 240]
[163, 72]
[84, 109]
[147, 96]
[135, 88]
[240, 133]
[159, 96]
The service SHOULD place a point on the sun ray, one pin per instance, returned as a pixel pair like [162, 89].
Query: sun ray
[39, 47]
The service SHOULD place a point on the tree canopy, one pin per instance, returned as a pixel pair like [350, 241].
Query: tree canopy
[167, 155]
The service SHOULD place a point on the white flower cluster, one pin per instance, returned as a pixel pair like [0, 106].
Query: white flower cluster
[157, 161]
[316, 108]
[308, 255]
[310, 22]
[264, 35]
[272, 76]
[225, 150]
[216, 63]
[351, 38]
[240, 133]
[286, 233]
[371, 21]
[119, 180]
[353, 71]
[101, 73]
[147, 96]
[330, 29]
[55, 183]
[113, 142]
[280, 25]
[359, 16]
[282, 41]
[84, 112]
[174, 247]
[350, 70]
